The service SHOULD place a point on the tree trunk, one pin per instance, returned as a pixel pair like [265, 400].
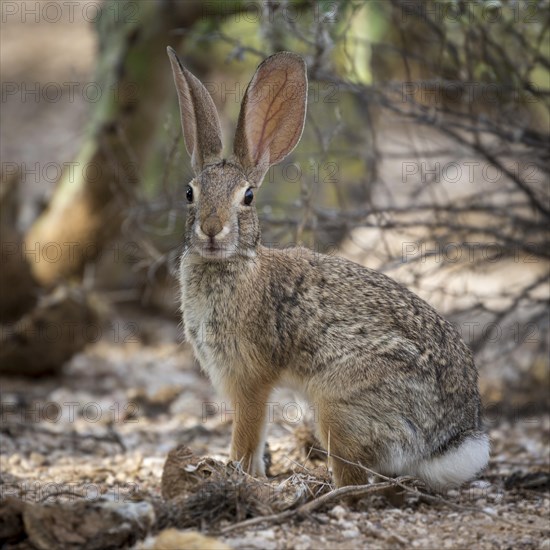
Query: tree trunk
[132, 76]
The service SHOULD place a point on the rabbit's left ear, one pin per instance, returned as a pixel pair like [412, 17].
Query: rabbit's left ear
[272, 114]
[199, 118]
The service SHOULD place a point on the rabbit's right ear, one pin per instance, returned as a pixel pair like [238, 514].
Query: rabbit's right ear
[199, 118]
[272, 114]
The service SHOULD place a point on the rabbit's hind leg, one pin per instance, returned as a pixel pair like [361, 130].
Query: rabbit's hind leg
[347, 474]
[348, 457]
[352, 464]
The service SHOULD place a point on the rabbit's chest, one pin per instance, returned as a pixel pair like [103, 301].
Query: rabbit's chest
[210, 319]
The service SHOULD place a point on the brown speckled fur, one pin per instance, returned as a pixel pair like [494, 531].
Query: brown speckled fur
[387, 376]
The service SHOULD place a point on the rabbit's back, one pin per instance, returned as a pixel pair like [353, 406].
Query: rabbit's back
[333, 308]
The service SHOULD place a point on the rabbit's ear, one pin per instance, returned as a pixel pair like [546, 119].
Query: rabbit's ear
[272, 114]
[199, 118]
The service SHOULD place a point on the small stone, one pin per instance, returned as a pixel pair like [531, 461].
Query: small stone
[37, 459]
[85, 524]
[344, 524]
[170, 539]
[480, 484]
[14, 459]
[253, 542]
[267, 534]
[303, 542]
[338, 512]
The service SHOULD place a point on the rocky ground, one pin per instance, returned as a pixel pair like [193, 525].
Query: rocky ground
[94, 441]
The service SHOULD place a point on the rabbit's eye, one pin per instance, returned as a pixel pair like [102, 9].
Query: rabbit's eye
[189, 194]
[248, 196]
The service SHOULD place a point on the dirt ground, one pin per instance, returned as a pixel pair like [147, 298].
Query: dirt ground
[101, 433]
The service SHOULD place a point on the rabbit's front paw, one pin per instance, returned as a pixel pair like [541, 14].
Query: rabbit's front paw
[252, 464]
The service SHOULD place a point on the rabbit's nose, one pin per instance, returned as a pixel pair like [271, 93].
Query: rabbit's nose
[211, 226]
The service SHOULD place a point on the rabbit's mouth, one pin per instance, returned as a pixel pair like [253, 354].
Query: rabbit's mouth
[216, 251]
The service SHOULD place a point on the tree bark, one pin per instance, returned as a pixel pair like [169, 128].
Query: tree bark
[132, 74]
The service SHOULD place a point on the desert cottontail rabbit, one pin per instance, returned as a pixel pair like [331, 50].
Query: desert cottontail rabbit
[393, 385]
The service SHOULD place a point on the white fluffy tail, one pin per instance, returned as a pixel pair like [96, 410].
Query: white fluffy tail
[457, 465]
